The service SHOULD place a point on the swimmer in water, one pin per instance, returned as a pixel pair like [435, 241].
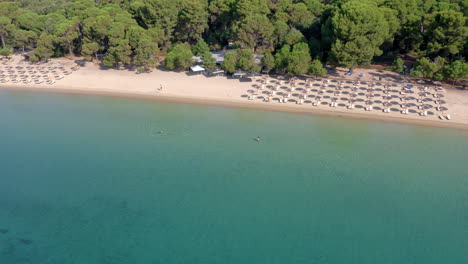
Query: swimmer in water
[161, 132]
[258, 139]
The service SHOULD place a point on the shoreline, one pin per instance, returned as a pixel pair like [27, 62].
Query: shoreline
[236, 104]
[181, 87]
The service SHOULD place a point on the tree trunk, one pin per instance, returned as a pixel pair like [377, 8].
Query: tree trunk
[3, 40]
[70, 50]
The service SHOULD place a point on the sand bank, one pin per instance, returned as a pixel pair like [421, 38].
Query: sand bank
[179, 87]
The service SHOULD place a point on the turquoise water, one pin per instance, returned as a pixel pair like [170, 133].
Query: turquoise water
[90, 180]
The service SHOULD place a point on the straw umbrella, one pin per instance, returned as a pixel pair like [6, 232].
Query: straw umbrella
[438, 89]
[334, 101]
[386, 107]
[369, 104]
[440, 103]
[351, 103]
[443, 108]
[387, 98]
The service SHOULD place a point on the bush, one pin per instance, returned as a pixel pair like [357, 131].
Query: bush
[179, 57]
[6, 52]
[398, 65]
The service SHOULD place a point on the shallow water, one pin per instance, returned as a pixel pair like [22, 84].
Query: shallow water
[90, 180]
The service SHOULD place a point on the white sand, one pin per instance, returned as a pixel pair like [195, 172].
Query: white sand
[180, 87]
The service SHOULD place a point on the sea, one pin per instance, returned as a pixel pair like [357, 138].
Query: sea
[96, 180]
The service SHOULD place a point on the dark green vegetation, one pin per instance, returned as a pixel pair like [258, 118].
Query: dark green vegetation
[291, 33]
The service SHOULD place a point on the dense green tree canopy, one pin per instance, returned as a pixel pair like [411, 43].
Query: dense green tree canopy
[357, 30]
[346, 33]
[317, 69]
[180, 57]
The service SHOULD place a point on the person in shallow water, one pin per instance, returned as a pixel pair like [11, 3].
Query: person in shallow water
[258, 139]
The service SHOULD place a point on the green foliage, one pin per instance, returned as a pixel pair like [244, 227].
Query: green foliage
[447, 33]
[24, 38]
[66, 33]
[316, 68]
[358, 29]
[34, 58]
[192, 20]
[282, 56]
[246, 61]
[5, 52]
[397, 65]
[457, 70]
[256, 32]
[45, 46]
[299, 59]
[247, 8]
[346, 33]
[230, 62]
[6, 28]
[180, 57]
[294, 36]
[426, 67]
[268, 61]
[141, 45]
[280, 31]
[415, 73]
[90, 50]
[209, 62]
[200, 48]
[43, 7]
[300, 16]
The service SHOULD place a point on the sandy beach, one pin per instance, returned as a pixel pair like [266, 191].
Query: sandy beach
[230, 92]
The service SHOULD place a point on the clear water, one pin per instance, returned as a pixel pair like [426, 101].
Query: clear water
[90, 180]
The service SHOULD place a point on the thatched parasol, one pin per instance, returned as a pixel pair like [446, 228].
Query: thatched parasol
[443, 108]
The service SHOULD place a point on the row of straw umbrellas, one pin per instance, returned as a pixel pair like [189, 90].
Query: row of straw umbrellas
[404, 98]
[37, 74]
